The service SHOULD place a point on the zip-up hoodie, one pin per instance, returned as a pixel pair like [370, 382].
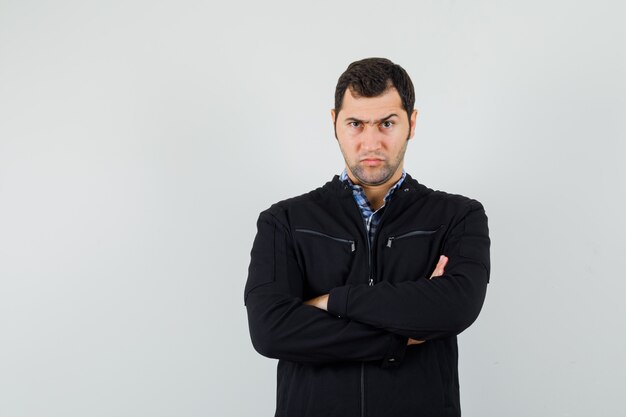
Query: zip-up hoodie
[353, 361]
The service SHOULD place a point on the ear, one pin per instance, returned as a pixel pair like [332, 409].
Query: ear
[333, 115]
[412, 121]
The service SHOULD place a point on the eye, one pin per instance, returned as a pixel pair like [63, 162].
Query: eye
[354, 124]
[387, 124]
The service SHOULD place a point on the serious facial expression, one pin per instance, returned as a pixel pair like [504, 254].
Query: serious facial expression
[373, 133]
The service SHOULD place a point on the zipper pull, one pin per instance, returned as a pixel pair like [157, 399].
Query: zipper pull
[353, 246]
[371, 281]
[389, 241]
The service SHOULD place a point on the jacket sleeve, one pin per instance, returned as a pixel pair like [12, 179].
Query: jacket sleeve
[282, 327]
[429, 308]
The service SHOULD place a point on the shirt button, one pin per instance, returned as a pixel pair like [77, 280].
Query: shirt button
[392, 359]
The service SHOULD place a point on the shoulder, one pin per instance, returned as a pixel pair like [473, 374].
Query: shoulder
[438, 199]
[280, 211]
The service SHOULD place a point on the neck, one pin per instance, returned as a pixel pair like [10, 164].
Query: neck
[376, 193]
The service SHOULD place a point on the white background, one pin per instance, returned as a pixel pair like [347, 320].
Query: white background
[139, 140]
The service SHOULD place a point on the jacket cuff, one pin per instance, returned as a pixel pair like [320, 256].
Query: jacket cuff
[396, 351]
[338, 301]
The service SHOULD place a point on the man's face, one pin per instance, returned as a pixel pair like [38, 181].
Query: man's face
[373, 133]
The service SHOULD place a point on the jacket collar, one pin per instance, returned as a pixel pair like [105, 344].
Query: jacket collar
[409, 186]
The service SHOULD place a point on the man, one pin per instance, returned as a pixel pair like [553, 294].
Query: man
[361, 286]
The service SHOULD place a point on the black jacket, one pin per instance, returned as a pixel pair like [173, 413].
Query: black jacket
[353, 361]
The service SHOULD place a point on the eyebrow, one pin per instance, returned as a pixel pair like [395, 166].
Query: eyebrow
[384, 119]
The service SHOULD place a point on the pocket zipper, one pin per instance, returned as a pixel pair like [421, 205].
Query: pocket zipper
[336, 239]
[409, 234]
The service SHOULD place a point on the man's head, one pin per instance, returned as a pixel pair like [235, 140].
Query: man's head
[374, 118]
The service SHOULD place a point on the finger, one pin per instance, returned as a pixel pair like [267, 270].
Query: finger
[442, 264]
[439, 269]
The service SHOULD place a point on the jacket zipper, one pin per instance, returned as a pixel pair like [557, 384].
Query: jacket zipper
[336, 239]
[370, 282]
[362, 389]
[409, 234]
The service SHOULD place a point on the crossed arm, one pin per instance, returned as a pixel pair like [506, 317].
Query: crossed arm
[321, 301]
[367, 322]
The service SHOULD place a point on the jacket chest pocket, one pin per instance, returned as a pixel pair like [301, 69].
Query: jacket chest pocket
[410, 255]
[326, 259]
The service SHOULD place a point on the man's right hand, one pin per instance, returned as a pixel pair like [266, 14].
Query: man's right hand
[443, 260]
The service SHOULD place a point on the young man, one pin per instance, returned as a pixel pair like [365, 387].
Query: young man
[361, 286]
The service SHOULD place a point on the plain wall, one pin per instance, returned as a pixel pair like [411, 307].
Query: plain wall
[139, 140]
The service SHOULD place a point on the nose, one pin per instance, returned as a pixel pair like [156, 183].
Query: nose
[370, 139]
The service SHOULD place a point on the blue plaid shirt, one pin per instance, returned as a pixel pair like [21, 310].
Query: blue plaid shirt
[371, 218]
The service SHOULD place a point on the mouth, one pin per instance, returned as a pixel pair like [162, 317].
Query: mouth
[371, 161]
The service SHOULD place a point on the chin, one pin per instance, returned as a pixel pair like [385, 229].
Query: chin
[374, 180]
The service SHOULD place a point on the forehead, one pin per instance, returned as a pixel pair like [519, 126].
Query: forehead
[364, 107]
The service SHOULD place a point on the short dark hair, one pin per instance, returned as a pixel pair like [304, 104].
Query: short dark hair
[371, 77]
